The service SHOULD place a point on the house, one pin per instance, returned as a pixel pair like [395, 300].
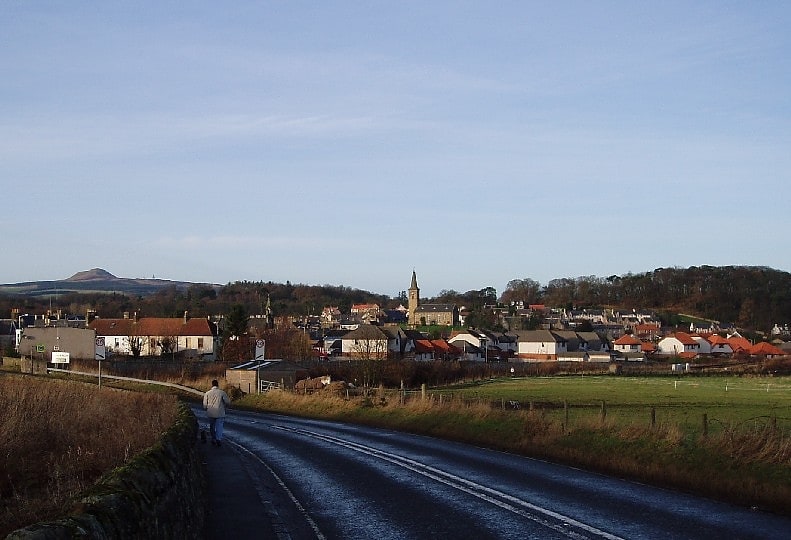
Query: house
[367, 342]
[647, 331]
[628, 344]
[699, 327]
[703, 342]
[486, 343]
[155, 336]
[540, 346]
[424, 350]
[397, 342]
[679, 344]
[720, 346]
[444, 350]
[766, 350]
[365, 313]
[330, 316]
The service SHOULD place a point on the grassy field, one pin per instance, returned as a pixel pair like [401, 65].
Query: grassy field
[726, 401]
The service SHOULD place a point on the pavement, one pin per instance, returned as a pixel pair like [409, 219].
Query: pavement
[237, 505]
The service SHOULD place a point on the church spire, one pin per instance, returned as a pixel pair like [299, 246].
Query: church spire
[414, 299]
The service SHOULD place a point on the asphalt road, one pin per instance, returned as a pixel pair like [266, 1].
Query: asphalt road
[282, 477]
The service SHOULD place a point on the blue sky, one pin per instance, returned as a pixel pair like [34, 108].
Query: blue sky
[348, 143]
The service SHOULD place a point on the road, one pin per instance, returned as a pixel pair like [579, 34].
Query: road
[319, 479]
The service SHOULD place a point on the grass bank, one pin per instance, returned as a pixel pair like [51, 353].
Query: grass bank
[741, 454]
[59, 437]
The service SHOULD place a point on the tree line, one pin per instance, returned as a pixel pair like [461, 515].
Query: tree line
[749, 296]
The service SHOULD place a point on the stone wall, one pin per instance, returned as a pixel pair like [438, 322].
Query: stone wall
[158, 494]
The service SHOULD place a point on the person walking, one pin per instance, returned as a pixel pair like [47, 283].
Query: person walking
[214, 402]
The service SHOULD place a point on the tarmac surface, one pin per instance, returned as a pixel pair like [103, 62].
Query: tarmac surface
[236, 506]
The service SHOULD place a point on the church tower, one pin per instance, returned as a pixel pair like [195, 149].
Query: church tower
[414, 299]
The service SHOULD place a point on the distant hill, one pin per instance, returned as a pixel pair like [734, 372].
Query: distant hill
[95, 280]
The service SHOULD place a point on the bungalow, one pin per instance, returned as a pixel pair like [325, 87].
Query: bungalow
[766, 350]
[628, 344]
[679, 344]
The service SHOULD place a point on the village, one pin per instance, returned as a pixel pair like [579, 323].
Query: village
[418, 331]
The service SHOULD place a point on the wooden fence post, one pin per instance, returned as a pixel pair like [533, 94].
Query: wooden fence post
[705, 425]
[653, 417]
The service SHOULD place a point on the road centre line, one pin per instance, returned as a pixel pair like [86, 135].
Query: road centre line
[493, 496]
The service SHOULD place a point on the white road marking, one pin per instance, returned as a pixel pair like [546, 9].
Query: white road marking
[498, 498]
[313, 524]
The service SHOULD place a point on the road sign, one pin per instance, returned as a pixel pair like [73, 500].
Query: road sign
[60, 358]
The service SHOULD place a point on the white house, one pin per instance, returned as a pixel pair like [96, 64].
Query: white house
[539, 345]
[720, 346]
[367, 342]
[628, 344]
[196, 338]
[704, 344]
[678, 344]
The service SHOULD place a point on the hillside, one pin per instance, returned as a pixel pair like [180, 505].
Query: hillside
[94, 281]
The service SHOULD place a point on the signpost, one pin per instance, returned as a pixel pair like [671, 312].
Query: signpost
[99, 355]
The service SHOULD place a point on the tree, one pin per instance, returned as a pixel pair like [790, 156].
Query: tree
[136, 344]
[521, 290]
[286, 341]
[370, 348]
[235, 322]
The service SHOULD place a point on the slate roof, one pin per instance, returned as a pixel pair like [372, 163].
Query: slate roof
[435, 308]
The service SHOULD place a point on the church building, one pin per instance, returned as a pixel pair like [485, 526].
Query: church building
[429, 314]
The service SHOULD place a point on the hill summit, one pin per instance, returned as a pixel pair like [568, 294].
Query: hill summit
[92, 275]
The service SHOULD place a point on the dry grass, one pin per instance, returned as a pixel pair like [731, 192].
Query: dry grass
[59, 437]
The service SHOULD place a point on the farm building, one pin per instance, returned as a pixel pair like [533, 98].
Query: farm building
[271, 372]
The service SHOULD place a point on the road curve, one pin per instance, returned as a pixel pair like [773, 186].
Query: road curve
[319, 479]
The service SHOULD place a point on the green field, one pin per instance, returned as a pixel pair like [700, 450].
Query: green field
[726, 401]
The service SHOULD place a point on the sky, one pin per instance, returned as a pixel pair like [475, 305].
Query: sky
[350, 143]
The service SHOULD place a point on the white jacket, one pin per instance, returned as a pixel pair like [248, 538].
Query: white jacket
[214, 401]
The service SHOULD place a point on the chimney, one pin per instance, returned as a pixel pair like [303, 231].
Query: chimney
[186, 316]
[126, 314]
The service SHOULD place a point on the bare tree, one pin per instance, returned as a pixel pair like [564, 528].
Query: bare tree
[370, 348]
